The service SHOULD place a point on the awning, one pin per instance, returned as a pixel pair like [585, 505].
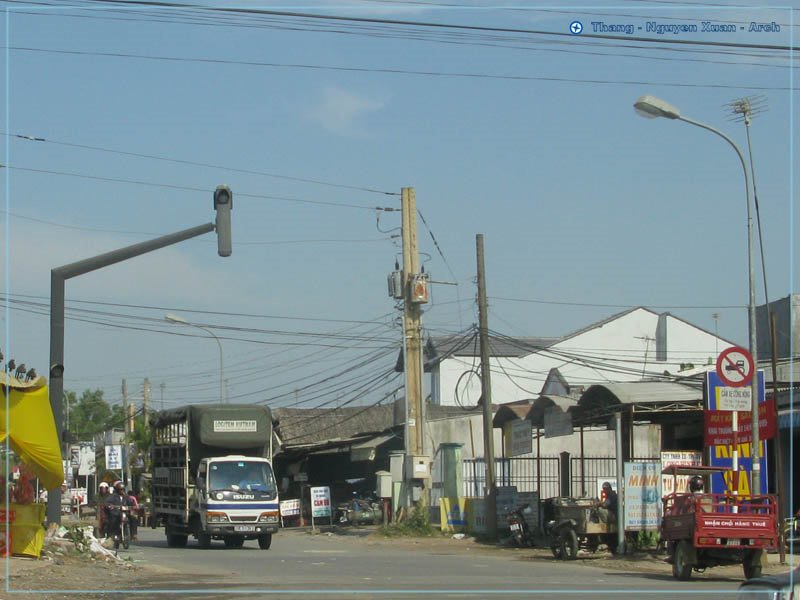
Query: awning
[31, 429]
[367, 450]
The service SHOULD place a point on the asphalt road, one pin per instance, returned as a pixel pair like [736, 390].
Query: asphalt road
[300, 564]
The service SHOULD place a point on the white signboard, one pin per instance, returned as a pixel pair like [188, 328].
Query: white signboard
[86, 459]
[321, 502]
[290, 508]
[520, 437]
[113, 457]
[681, 459]
[230, 426]
[734, 398]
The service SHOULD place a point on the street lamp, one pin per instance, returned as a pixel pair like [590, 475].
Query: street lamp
[651, 108]
[176, 319]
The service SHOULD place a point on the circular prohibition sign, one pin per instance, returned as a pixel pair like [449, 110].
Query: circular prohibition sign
[735, 367]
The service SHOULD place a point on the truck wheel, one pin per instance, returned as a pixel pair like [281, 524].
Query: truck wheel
[569, 544]
[265, 541]
[681, 562]
[204, 539]
[752, 564]
[176, 540]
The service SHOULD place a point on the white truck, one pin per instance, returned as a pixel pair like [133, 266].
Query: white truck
[212, 475]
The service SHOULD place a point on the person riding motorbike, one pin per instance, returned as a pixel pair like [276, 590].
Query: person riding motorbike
[100, 506]
[113, 507]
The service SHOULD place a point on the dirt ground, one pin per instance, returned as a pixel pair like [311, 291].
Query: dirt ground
[61, 568]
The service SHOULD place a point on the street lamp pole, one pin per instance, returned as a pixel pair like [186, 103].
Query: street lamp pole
[652, 107]
[176, 319]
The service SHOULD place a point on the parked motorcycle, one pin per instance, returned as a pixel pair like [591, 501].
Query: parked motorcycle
[359, 510]
[521, 534]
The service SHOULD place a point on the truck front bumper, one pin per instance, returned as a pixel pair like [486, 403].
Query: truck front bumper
[254, 530]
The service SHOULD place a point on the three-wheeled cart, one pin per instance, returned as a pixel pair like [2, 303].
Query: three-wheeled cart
[573, 524]
[704, 530]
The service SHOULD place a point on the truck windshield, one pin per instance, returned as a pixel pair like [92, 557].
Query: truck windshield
[241, 475]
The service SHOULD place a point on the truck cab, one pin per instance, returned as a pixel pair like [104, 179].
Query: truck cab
[236, 499]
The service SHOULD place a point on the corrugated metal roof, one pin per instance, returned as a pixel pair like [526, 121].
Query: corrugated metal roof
[599, 401]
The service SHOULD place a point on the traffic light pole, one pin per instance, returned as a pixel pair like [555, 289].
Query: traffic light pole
[58, 277]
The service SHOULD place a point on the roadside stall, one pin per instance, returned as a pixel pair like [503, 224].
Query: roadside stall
[27, 427]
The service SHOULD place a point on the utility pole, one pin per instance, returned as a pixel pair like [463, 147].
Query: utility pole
[415, 427]
[486, 395]
[162, 386]
[125, 473]
[146, 402]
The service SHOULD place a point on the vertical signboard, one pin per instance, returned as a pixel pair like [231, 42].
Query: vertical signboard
[722, 455]
[86, 459]
[113, 457]
[642, 496]
[519, 437]
[321, 503]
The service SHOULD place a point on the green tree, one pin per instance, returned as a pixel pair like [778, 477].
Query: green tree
[90, 414]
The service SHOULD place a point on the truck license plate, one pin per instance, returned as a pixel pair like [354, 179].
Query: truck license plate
[733, 542]
[244, 527]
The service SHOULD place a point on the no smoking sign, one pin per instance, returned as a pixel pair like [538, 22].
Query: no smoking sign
[735, 367]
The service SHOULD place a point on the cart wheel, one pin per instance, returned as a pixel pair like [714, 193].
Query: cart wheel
[611, 542]
[592, 544]
[555, 546]
[752, 564]
[569, 544]
[681, 562]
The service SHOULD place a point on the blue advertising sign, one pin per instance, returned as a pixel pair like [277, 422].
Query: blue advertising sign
[722, 456]
[642, 496]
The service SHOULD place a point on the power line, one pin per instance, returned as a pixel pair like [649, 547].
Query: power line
[450, 26]
[439, 74]
[190, 162]
[195, 189]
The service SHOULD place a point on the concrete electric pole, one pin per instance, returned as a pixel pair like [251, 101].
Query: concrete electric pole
[415, 425]
[486, 395]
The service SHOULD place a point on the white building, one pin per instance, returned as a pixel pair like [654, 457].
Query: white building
[635, 345]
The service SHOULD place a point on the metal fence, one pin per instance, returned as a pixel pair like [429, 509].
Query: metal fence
[581, 475]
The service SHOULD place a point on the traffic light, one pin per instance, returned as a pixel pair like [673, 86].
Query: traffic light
[223, 203]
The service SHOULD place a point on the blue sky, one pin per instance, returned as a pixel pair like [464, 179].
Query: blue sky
[528, 137]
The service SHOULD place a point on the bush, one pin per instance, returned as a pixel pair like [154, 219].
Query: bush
[416, 524]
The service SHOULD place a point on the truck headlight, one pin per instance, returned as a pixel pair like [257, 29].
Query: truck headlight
[216, 517]
[268, 517]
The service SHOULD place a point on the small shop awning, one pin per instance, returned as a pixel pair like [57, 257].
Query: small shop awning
[31, 434]
[367, 449]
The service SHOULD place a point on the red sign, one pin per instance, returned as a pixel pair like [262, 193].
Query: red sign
[735, 367]
[718, 430]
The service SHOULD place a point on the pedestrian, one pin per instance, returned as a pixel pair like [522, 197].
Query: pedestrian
[133, 502]
[607, 507]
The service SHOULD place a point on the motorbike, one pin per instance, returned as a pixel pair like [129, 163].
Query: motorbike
[521, 534]
[359, 510]
[119, 517]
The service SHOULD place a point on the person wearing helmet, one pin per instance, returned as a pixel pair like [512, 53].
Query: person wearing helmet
[704, 501]
[100, 507]
[114, 502]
